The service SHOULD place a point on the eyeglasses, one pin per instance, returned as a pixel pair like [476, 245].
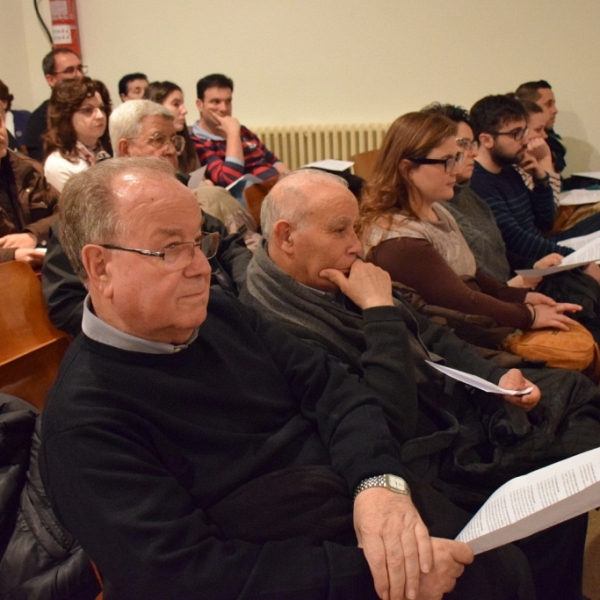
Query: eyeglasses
[160, 140]
[88, 111]
[177, 257]
[72, 70]
[449, 163]
[516, 134]
[467, 145]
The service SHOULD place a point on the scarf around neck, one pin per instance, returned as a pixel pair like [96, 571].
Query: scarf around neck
[332, 317]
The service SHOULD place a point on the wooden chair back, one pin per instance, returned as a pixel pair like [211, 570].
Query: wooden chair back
[32, 348]
[364, 163]
[254, 196]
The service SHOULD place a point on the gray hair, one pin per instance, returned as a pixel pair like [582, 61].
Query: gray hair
[287, 199]
[125, 121]
[88, 214]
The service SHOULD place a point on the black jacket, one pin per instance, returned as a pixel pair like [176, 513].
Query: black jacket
[39, 559]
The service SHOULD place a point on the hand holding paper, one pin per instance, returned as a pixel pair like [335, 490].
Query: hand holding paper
[530, 503]
[478, 382]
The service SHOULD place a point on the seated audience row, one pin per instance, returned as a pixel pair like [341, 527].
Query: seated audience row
[255, 417]
[280, 427]
[404, 227]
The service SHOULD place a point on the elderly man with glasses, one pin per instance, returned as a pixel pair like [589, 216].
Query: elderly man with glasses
[139, 128]
[59, 64]
[523, 215]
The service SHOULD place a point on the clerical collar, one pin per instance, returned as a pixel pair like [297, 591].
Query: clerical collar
[100, 331]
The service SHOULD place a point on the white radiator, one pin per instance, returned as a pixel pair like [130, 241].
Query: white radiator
[297, 146]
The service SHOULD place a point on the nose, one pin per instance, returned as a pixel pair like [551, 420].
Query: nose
[356, 245]
[169, 148]
[183, 110]
[199, 264]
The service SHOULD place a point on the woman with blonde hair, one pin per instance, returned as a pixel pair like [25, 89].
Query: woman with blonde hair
[406, 231]
[77, 135]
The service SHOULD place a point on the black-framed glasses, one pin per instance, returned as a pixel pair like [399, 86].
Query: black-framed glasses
[449, 163]
[159, 140]
[467, 145]
[516, 134]
[83, 69]
[88, 111]
[177, 257]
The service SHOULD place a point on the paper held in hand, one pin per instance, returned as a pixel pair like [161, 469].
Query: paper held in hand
[530, 503]
[478, 382]
[587, 250]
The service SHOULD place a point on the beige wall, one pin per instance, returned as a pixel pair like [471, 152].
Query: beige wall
[333, 61]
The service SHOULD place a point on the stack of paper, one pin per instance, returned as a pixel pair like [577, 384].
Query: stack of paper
[533, 502]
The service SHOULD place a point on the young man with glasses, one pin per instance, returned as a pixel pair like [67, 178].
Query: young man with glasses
[523, 215]
[59, 64]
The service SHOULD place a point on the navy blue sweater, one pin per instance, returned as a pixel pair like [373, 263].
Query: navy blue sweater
[521, 214]
[137, 448]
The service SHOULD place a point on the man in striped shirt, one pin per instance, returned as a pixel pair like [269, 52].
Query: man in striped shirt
[229, 150]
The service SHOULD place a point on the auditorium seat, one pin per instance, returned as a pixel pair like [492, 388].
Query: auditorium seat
[32, 348]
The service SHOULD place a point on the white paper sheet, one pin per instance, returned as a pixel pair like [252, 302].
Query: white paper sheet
[330, 164]
[577, 197]
[580, 241]
[583, 255]
[536, 501]
[477, 382]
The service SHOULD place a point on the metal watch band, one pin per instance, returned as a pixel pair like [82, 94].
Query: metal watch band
[391, 482]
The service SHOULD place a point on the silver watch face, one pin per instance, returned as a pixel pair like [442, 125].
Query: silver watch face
[396, 483]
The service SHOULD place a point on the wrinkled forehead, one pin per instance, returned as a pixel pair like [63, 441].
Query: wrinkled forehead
[153, 193]
[150, 125]
[331, 202]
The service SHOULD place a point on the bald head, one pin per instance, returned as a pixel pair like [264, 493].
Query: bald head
[308, 221]
[294, 197]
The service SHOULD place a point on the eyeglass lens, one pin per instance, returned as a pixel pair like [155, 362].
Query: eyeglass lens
[179, 256]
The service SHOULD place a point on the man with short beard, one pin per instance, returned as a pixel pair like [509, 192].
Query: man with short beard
[523, 215]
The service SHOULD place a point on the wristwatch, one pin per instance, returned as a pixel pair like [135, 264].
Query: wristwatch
[543, 182]
[391, 482]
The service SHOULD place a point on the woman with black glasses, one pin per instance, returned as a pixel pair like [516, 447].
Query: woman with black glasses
[77, 134]
[406, 231]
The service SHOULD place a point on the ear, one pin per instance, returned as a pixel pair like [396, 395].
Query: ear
[486, 140]
[123, 147]
[405, 167]
[97, 265]
[283, 236]
[51, 79]
[199, 105]
[123, 97]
